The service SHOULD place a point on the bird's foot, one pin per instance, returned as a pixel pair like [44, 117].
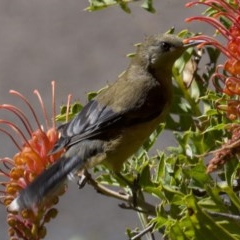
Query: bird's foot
[84, 176]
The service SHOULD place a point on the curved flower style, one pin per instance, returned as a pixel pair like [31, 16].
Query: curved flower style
[224, 16]
[29, 162]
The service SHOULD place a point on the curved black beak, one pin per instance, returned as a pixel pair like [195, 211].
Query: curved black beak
[192, 43]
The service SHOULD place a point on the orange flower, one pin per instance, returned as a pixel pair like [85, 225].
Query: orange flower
[29, 162]
[224, 16]
[228, 12]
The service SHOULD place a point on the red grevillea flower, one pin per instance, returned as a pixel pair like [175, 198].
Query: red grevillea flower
[30, 161]
[228, 12]
[224, 16]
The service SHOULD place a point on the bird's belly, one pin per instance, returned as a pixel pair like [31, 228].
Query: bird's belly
[128, 143]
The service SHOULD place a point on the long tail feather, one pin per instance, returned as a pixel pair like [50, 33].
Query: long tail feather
[45, 183]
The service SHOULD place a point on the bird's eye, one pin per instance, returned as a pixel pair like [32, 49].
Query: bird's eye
[165, 46]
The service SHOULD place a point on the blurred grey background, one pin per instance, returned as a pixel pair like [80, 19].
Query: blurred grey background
[45, 40]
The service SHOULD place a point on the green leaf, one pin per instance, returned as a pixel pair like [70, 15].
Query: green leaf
[73, 110]
[231, 170]
[92, 95]
[95, 5]
[199, 175]
[145, 176]
[218, 127]
[232, 195]
[148, 5]
[100, 4]
[153, 137]
[209, 226]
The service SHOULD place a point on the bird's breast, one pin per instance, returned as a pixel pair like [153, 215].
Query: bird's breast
[128, 142]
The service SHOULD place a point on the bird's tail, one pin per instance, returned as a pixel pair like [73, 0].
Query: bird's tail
[46, 183]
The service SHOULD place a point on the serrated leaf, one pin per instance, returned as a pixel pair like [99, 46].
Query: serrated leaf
[209, 227]
[218, 127]
[198, 173]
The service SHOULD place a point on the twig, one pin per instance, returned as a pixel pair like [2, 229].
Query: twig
[143, 232]
[141, 204]
[202, 192]
[227, 215]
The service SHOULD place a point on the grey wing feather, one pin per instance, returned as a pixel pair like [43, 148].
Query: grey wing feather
[100, 121]
[87, 124]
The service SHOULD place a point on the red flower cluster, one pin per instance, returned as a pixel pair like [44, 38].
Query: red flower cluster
[228, 12]
[29, 162]
[224, 16]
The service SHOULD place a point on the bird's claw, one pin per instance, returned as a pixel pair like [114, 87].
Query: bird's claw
[83, 178]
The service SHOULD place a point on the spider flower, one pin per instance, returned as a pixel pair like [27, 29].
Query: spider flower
[224, 16]
[29, 162]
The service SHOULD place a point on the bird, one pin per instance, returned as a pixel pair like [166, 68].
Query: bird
[116, 123]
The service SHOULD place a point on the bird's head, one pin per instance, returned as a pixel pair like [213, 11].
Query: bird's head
[161, 51]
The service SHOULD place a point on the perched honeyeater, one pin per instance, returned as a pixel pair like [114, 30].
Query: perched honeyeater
[114, 125]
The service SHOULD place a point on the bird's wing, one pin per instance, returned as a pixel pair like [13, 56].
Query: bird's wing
[89, 123]
[97, 120]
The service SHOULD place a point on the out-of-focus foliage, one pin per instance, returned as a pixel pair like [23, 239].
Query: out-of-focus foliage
[124, 4]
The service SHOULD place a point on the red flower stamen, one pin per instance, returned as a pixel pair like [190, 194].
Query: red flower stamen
[33, 157]
[225, 18]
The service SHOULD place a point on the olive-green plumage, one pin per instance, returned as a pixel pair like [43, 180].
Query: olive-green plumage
[144, 94]
[116, 123]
